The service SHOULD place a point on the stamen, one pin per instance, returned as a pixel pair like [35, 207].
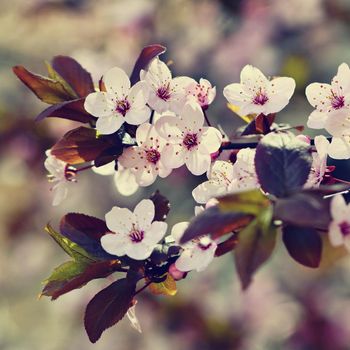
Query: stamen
[190, 141]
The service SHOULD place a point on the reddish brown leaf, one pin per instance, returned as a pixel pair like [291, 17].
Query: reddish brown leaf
[227, 246]
[162, 206]
[146, 56]
[72, 110]
[80, 145]
[47, 90]
[74, 74]
[108, 307]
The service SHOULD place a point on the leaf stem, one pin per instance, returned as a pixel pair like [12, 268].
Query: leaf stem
[84, 168]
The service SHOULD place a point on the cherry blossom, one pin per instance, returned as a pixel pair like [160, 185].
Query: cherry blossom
[120, 103]
[339, 228]
[165, 93]
[124, 179]
[134, 233]
[146, 160]
[257, 94]
[188, 141]
[319, 162]
[203, 93]
[328, 99]
[198, 253]
[225, 177]
[61, 174]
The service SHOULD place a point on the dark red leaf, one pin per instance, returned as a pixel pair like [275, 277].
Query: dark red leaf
[74, 74]
[108, 307]
[110, 154]
[226, 246]
[215, 222]
[96, 270]
[282, 163]
[86, 231]
[80, 145]
[162, 206]
[47, 90]
[303, 244]
[146, 56]
[260, 125]
[71, 110]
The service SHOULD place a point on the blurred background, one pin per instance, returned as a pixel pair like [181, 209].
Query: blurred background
[288, 306]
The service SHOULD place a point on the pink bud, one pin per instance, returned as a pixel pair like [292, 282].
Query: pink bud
[175, 273]
[211, 203]
[304, 138]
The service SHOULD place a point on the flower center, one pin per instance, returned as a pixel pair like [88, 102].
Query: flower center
[337, 102]
[260, 98]
[122, 107]
[152, 155]
[190, 141]
[164, 92]
[204, 243]
[136, 236]
[344, 228]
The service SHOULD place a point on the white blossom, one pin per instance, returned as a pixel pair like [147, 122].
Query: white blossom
[146, 160]
[256, 94]
[165, 93]
[134, 233]
[188, 141]
[61, 175]
[339, 228]
[225, 177]
[120, 103]
[203, 93]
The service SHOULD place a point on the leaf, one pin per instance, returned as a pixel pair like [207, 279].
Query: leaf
[162, 206]
[71, 248]
[86, 231]
[167, 287]
[307, 208]
[80, 145]
[303, 244]
[110, 154]
[71, 110]
[74, 74]
[75, 274]
[260, 125]
[255, 246]
[227, 245]
[46, 89]
[215, 222]
[108, 307]
[248, 202]
[146, 56]
[282, 163]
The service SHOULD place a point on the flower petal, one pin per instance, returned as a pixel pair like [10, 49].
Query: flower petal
[156, 232]
[98, 105]
[178, 230]
[120, 220]
[318, 96]
[109, 125]
[125, 182]
[211, 139]
[339, 149]
[317, 120]
[207, 190]
[139, 251]
[192, 116]
[117, 83]
[144, 212]
[197, 163]
[114, 243]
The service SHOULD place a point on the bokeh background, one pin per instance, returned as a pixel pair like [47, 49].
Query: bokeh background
[288, 306]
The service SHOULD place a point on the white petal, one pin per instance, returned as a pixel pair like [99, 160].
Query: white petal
[98, 104]
[282, 86]
[114, 243]
[139, 251]
[120, 220]
[235, 94]
[144, 212]
[343, 77]
[105, 170]
[197, 163]
[146, 176]
[339, 208]
[125, 182]
[144, 132]
[158, 73]
[137, 116]
[318, 96]
[339, 149]
[192, 116]
[252, 78]
[109, 125]
[207, 190]
[211, 139]
[170, 128]
[172, 156]
[117, 83]
[60, 193]
[321, 144]
[335, 236]
[156, 232]
[317, 120]
[178, 230]
[130, 157]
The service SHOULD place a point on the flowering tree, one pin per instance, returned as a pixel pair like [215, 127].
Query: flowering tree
[262, 182]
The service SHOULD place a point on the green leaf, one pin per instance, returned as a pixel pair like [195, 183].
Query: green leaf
[282, 163]
[46, 89]
[108, 307]
[75, 274]
[71, 248]
[247, 202]
[255, 246]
